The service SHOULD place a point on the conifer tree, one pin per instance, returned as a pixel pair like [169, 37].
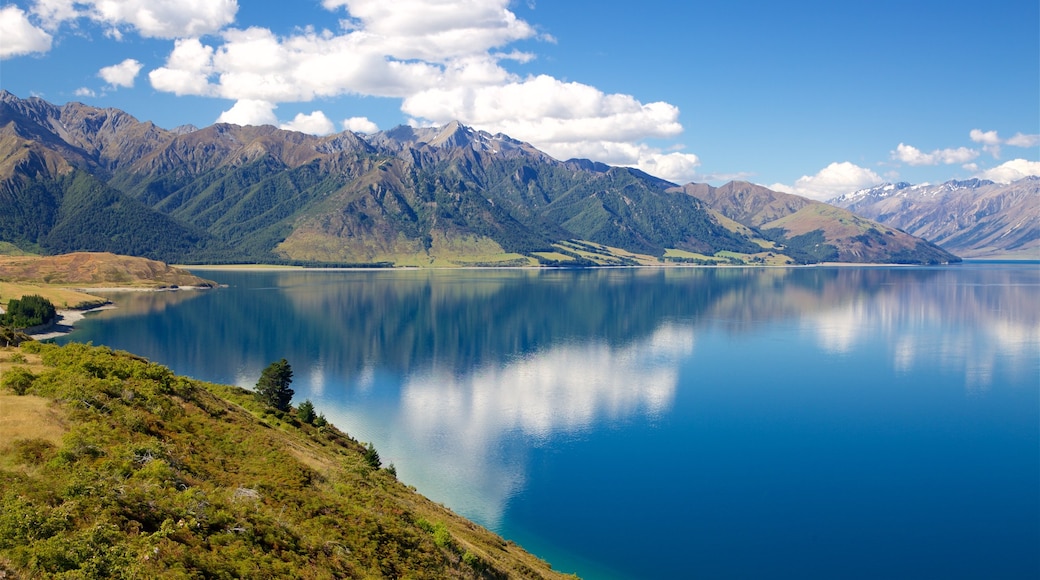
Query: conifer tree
[305, 412]
[273, 386]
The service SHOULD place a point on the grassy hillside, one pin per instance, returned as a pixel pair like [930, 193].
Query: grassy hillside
[113, 467]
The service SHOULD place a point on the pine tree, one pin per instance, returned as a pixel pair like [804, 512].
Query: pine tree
[273, 386]
[372, 456]
[305, 412]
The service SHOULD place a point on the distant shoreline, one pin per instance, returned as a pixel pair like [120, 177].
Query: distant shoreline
[277, 268]
[67, 318]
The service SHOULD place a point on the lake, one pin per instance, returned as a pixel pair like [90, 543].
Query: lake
[853, 422]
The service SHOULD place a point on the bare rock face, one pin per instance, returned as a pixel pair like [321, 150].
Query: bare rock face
[973, 218]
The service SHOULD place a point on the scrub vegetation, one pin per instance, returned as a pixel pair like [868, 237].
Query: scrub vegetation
[113, 467]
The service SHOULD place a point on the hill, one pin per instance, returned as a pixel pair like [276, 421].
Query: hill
[974, 218]
[113, 467]
[97, 269]
[79, 178]
[812, 231]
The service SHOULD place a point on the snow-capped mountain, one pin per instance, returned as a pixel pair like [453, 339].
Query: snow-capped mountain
[974, 218]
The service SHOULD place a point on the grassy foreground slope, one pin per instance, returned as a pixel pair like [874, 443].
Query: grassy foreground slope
[114, 467]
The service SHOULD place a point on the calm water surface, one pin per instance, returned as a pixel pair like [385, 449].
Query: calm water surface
[743, 423]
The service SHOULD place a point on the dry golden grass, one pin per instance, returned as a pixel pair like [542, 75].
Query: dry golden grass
[61, 298]
[29, 417]
[94, 269]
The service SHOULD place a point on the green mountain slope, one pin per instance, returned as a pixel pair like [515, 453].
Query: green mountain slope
[116, 468]
[447, 195]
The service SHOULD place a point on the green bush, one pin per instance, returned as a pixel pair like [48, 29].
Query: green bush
[18, 379]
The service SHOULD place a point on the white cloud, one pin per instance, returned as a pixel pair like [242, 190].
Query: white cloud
[84, 92]
[436, 31]
[831, 181]
[150, 18]
[122, 74]
[545, 110]
[1020, 140]
[434, 56]
[53, 12]
[984, 137]
[19, 36]
[1012, 171]
[678, 168]
[187, 70]
[989, 139]
[256, 64]
[914, 156]
[250, 112]
[314, 124]
[360, 125]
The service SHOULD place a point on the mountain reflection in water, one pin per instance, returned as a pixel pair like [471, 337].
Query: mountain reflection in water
[477, 383]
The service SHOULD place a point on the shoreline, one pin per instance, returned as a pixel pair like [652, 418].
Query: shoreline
[66, 322]
[67, 318]
[271, 268]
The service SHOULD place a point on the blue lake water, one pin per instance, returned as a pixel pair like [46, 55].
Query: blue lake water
[658, 423]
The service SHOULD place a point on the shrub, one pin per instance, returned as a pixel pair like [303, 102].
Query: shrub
[18, 379]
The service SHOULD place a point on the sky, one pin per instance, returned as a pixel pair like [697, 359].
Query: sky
[817, 98]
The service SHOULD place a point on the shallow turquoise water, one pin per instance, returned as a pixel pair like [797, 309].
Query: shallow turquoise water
[814, 422]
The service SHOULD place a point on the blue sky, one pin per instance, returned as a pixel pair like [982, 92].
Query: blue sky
[816, 98]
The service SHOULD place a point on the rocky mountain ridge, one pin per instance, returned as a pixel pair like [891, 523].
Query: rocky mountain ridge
[973, 218]
[83, 178]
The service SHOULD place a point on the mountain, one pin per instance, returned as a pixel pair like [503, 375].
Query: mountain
[974, 218]
[813, 231]
[83, 178]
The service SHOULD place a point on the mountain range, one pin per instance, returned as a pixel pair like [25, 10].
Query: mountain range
[974, 218]
[75, 177]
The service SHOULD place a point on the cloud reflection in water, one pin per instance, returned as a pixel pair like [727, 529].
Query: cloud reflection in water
[471, 418]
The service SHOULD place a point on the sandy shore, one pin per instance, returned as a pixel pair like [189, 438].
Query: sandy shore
[66, 322]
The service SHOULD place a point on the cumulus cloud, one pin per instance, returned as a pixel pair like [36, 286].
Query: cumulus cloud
[914, 156]
[1020, 140]
[1012, 171]
[831, 181]
[20, 36]
[314, 124]
[438, 58]
[984, 137]
[250, 112]
[257, 64]
[360, 125]
[992, 142]
[435, 31]
[84, 92]
[565, 119]
[989, 139]
[187, 70]
[150, 18]
[122, 74]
